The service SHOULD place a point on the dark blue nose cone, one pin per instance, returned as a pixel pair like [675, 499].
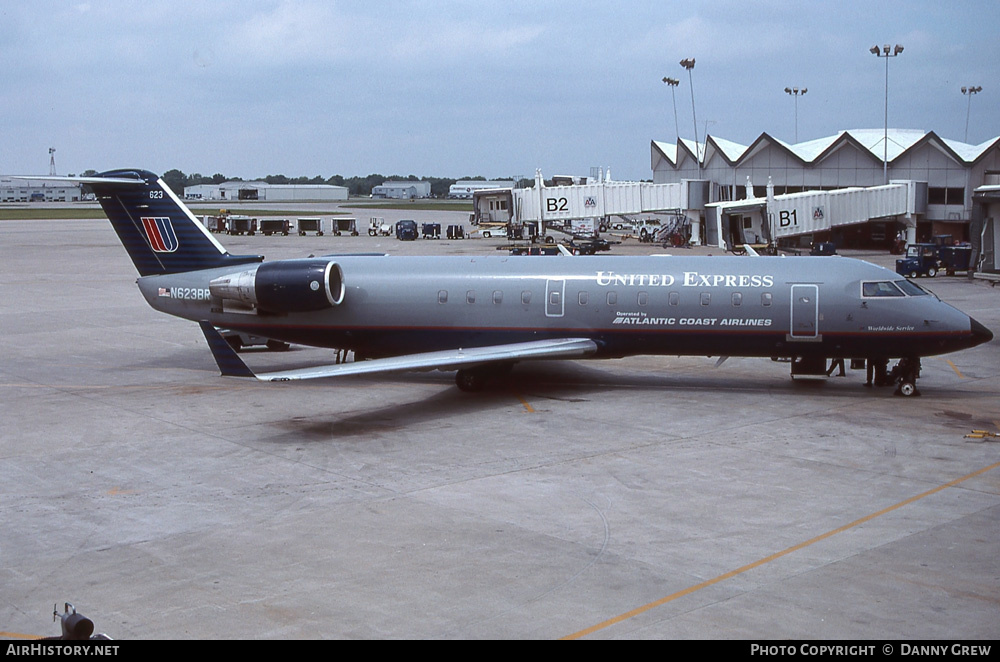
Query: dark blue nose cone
[980, 333]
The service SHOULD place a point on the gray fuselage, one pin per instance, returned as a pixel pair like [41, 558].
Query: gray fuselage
[716, 306]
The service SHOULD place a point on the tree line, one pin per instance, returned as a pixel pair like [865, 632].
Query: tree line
[356, 186]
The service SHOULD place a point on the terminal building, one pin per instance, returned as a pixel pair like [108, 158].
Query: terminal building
[237, 190]
[951, 171]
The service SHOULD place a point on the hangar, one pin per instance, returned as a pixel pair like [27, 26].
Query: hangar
[852, 158]
[239, 190]
[464, 188]
[405, 190]
[28, 190]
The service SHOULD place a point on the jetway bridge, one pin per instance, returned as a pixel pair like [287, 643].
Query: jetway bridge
[726, 224]
[591, 201]
[775, 217]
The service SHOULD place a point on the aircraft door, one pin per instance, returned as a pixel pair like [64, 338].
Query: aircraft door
[555, 291]
[805, 312]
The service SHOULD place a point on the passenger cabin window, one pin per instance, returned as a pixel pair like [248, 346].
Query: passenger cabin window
[497, 297]
[737, 298]
[583, 298]
[525, 297]
[643, 298]
[706, 298]
[470, 296]
[880, 289]
[674, 298]
[765, 299]
[612, 298]
[442, 296]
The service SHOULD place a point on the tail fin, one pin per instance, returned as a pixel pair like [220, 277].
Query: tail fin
[159, 232]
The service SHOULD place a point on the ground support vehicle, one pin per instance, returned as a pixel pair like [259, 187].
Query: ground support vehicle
[491, 232]
[304, 225]
[589, 245]
[648, 229]
[378, 227]
[920, 260]
[955, 258]
[342, 225]
[406, 230]
[487, 230]
[534, 249]
[269, 226]
[215, 223]
[242, 225]
[456, 232]
[676, 234]
[430, 230]
[823, 248]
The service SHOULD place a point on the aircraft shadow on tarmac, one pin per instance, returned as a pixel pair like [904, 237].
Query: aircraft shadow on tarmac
[541, 386]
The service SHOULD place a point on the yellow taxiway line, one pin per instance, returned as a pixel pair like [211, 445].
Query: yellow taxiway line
[773, 557]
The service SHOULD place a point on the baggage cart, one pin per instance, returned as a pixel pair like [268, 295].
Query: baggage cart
[304, 225]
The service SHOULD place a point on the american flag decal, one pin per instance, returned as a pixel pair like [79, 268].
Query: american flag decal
[160, 234]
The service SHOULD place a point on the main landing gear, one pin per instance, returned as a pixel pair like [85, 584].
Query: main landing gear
[475, 379]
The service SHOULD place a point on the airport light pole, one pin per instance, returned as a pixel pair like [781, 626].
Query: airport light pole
[673, 83]
[969, 91]
[796, 92]
[688, 63]
[886, 52]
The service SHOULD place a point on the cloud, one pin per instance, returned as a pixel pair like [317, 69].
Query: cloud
[309, 34]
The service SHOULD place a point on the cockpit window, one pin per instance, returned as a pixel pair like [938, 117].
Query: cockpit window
[912, 289]
[880, 289]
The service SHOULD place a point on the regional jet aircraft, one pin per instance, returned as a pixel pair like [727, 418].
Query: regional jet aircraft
[481, 315]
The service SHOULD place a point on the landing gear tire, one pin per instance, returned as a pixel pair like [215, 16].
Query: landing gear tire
[470, 381]
[905, 374]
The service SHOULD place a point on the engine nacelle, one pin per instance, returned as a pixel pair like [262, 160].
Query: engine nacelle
[284, 286]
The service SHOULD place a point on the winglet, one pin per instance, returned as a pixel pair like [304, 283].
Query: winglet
[230, 364]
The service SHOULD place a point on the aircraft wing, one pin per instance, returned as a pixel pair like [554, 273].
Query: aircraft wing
[232, 365]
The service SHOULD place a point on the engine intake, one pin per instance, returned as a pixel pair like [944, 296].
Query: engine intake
[284, 286]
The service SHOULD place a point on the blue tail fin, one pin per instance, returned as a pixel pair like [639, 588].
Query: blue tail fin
[157, 229]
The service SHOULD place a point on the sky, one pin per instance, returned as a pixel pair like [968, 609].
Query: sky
[435, 88]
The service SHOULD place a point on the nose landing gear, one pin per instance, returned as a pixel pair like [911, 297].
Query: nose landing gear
[904, 374]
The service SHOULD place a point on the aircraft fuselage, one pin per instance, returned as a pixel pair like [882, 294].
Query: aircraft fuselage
[797, 306]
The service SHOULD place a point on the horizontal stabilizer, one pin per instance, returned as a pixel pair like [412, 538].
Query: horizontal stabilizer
[127, 181]
[232, 365]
